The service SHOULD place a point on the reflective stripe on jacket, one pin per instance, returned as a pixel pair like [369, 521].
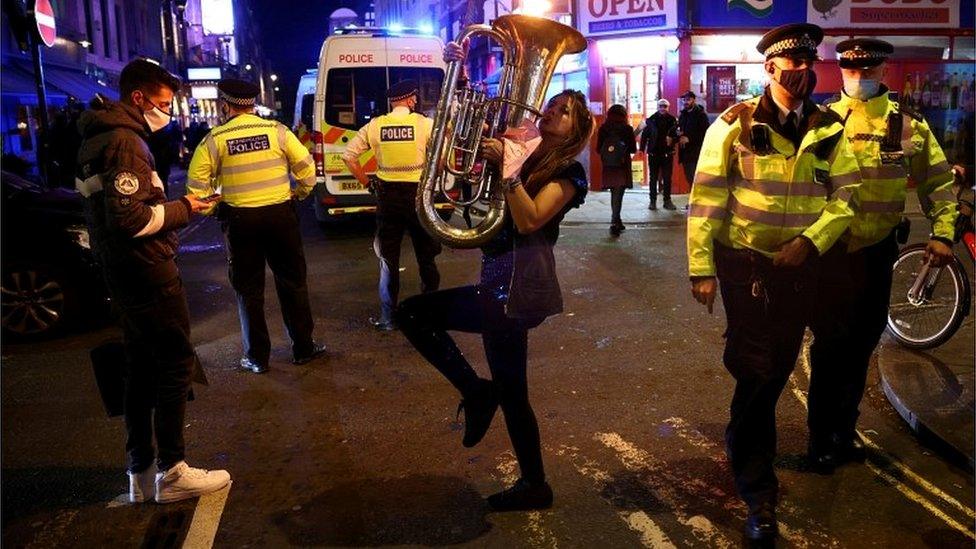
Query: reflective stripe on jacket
[248, 160]
[400, 141]
[759, 196]
[880, 200]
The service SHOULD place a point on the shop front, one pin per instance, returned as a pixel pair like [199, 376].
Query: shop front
[632, 59]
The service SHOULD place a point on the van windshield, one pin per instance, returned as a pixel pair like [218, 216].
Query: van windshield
[354, 96]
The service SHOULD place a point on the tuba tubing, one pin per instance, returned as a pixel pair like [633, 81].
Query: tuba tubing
[531, 48]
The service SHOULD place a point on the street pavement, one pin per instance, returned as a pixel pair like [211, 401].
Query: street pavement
[362, 448]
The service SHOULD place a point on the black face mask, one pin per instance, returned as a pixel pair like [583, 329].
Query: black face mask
[798, 82]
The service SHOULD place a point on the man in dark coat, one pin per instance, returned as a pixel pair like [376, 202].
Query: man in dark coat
[690, 133]
[133, 231]
[656, 140]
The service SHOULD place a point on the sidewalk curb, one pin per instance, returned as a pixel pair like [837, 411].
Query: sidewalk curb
[918, 423]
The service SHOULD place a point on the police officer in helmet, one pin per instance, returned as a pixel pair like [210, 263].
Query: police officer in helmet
[891, 142]
[772, 192]
[399, 140]
[251, 161]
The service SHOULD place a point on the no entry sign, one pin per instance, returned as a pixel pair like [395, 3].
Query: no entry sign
[44, 16]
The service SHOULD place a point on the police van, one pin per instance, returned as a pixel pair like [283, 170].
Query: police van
[355, 70]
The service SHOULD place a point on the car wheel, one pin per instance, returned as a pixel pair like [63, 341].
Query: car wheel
[34, 301]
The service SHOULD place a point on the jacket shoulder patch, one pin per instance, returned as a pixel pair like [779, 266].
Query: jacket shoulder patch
[732, 113]
[910, 112]
[126, 183]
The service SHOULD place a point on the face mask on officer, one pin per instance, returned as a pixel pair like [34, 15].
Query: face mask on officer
[799, 83]
[861, 88]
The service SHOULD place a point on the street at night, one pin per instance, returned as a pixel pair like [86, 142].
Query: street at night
[362, 448]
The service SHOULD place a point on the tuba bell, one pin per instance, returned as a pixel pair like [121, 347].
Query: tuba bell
[531, 47]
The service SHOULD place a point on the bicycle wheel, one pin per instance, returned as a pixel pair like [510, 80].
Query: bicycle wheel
[932, 317]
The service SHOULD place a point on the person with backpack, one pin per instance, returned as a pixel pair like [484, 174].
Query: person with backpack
[615, 142]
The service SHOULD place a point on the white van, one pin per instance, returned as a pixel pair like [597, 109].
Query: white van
[305, 99]
[355, 70]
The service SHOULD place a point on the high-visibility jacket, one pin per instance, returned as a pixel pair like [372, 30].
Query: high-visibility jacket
[248, 160]
[754, 195]
[399, 140]
[886, 166]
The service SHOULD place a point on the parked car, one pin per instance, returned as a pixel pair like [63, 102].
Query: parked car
[51, 280]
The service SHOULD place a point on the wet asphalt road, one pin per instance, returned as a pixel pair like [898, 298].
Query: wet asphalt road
[362, 448]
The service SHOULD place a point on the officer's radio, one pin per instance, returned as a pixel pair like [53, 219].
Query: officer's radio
[761, 142]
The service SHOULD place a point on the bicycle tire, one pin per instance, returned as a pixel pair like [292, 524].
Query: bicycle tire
[905, 321]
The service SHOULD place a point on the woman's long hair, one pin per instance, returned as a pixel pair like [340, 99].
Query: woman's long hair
[544, 168]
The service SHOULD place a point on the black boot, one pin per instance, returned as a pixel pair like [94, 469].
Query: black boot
[822, 457]
[761, 526]
[479, 409]
[849, 449]
[522, 496]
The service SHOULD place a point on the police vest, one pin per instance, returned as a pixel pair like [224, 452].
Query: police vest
[891, 144]
[249, 159]
[754, 189]
[400, 142]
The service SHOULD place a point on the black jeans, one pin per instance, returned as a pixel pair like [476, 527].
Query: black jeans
[690, 167]
[767, 310]
[852, 313]
[396, 213]
[425, 320]
[160, 359]
[268, 234]
[659, 166]
[616, 202]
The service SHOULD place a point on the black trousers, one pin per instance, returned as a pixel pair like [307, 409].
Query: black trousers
[852, 313]
[767, 310]
[425, 320]
[690, 167]
[160, 358]
[396, 214]
[616, 203]
[268, 235]
[659, 167]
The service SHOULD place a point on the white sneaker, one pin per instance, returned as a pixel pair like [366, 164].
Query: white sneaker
[142, 486]
[181, 482]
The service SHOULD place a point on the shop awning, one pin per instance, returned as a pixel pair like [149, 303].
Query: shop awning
[16, 81]
[76, 84]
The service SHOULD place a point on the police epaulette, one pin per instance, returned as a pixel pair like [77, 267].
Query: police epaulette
[830, 114]
[732, 112]
[910, 112]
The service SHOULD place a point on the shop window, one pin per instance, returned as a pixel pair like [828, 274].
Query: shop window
[24, 128]
[721, 85]
[919, 47]
[964, 48]
[726, 47]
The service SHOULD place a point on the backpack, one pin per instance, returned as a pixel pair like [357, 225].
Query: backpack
[614, 153]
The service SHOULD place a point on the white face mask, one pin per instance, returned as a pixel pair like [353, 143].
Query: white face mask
[156, 118]
[861, 88]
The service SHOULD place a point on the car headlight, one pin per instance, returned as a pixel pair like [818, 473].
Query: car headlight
[79, 235]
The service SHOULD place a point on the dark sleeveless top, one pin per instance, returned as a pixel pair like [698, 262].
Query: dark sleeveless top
[525, 262]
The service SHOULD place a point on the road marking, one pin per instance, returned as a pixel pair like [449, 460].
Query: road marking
[662, 482]
[651, 534]
[894, 462]
[539, 535]
[206, 519]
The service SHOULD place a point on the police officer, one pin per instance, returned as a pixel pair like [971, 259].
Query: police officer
[772, 193]
[249, 160]
[133, 230]
[399, 140]
[891, 143]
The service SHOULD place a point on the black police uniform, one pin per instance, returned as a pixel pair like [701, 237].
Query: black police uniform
[133, 230]
[396, 214]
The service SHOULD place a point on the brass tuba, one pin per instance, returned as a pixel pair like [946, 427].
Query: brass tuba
[531, 46]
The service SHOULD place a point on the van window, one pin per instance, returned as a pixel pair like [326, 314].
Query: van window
[429, 80]
[354, 96]
[308, 104]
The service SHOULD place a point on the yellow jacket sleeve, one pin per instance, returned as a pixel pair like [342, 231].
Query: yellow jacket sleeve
[201, 173]
[708, 203]
[845, 179]
[933, 180]
[300, 165]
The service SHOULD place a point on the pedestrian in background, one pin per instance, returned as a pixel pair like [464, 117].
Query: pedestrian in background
[133, 230]
[657, 142]
[690, 133]
[761, 215]
[615, 142]
[250, 159]
[165, 147]
[399, 139]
